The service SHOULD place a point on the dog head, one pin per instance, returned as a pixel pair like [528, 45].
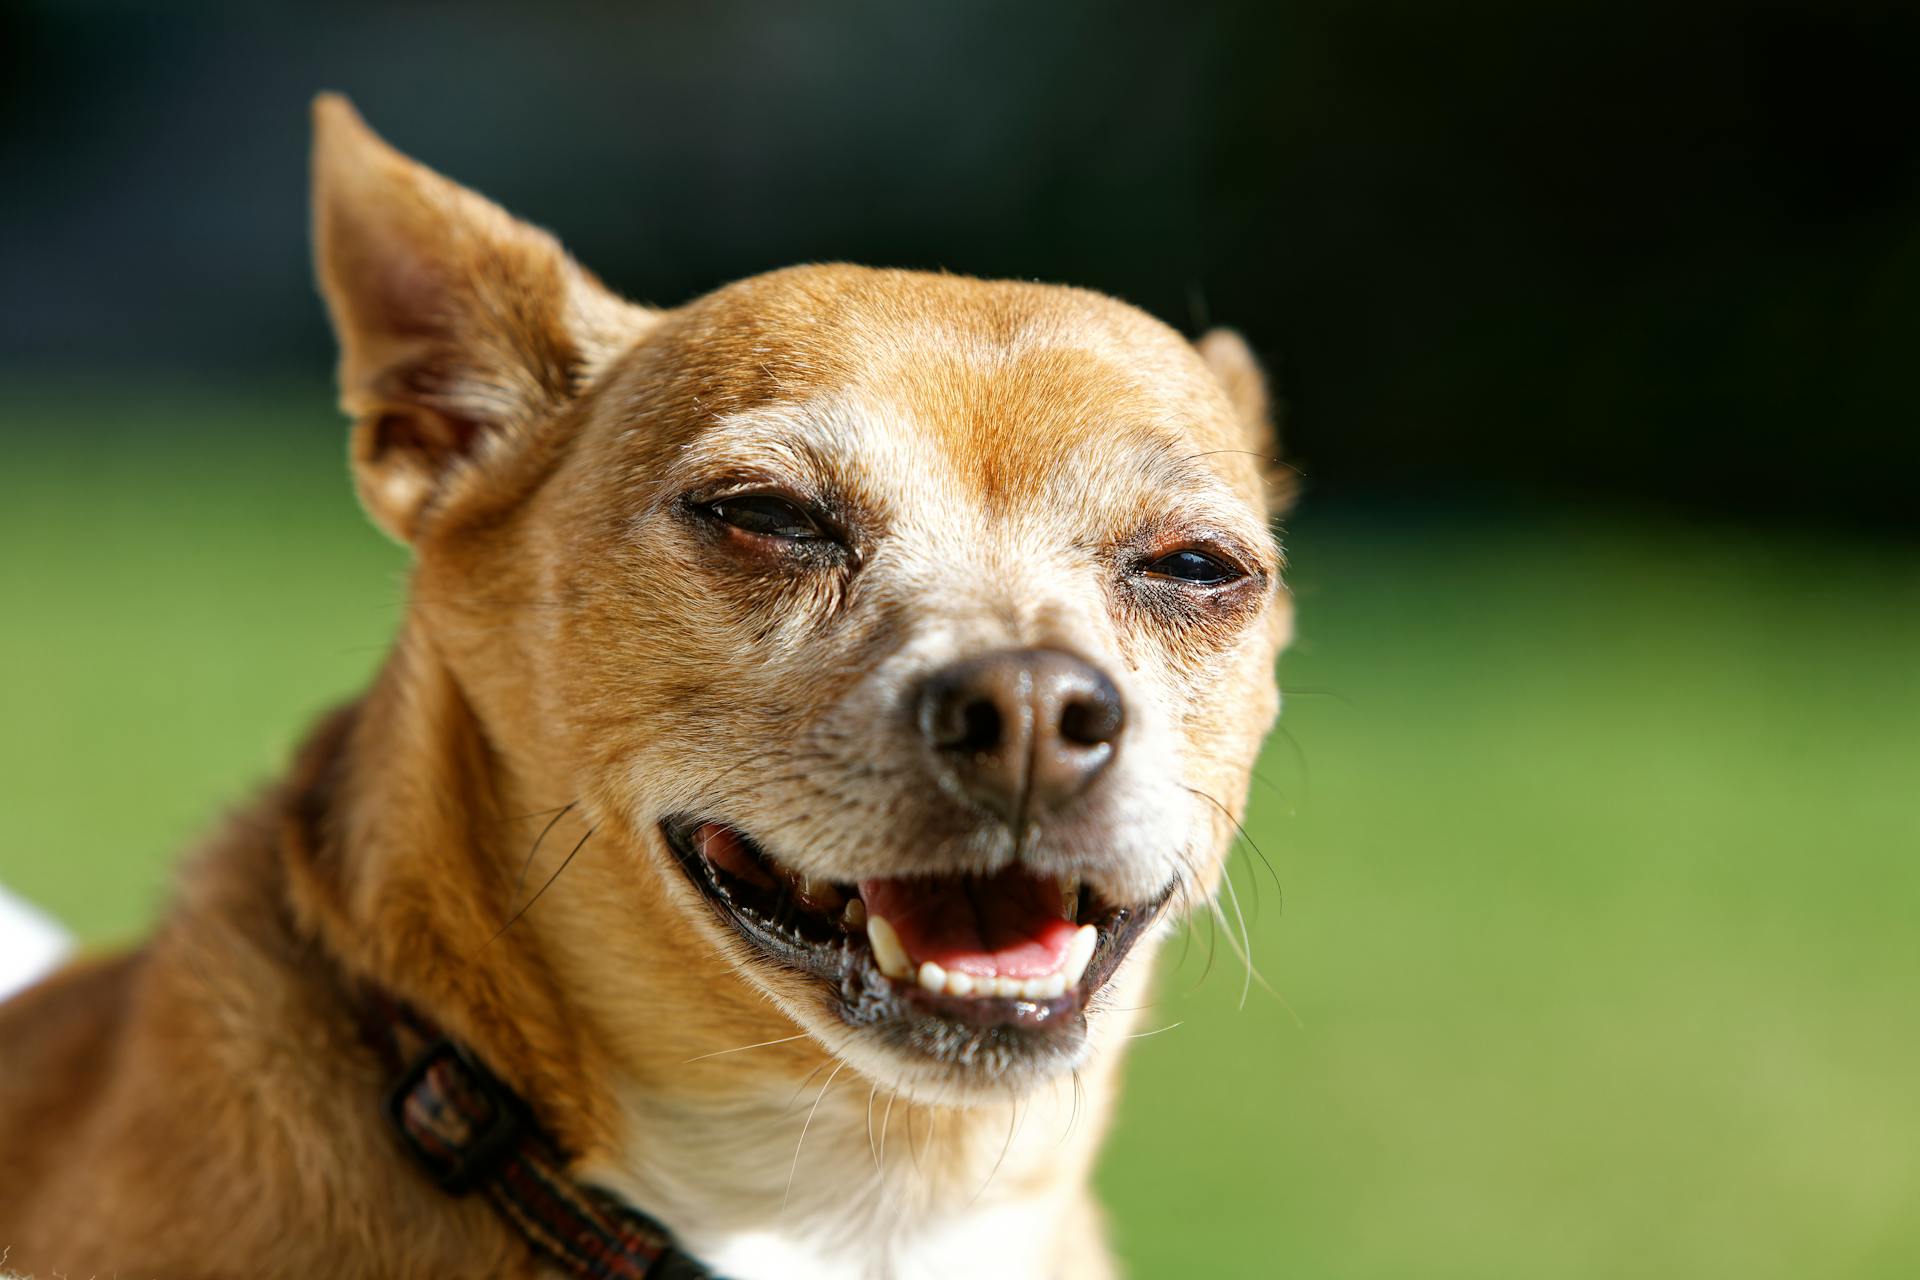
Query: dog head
[907, 638]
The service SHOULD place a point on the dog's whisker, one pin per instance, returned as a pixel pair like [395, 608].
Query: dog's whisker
[913, 1152]
[719, 1053]
[1213, 935]
[1242, 945]
[537, 813]
[514, 919]
[1246, 938]
[811, 1112]
[1013, 1125]
[1244, 835]
[1299, 755]
[1234, 943]
[886, 1120]
[807, 1080]
[1142, 1035]
[1213, 944]
[933, 1125]
[1186, 928]
[520, 882]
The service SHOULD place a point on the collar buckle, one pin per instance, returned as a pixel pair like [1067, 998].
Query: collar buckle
[458, 1121]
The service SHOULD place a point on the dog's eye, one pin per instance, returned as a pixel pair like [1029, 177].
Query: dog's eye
[768, 516]
[1196, 567]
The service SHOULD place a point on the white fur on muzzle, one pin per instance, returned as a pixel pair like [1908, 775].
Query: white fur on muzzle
[31, 944]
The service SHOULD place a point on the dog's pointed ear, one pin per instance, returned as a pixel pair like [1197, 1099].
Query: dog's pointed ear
[1238, 371]
[461, 328]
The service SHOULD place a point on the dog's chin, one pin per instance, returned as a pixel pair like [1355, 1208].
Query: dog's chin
[961, 981]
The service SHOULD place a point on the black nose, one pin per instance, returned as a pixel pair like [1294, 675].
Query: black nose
[1021, 731]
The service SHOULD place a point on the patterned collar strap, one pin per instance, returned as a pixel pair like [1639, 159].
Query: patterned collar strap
[470, 1132]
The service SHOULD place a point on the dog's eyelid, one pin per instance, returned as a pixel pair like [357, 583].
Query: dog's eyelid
[773, 511]
[756, 486]
[1245, 558]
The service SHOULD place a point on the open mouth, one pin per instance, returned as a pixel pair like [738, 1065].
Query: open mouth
[944, 959]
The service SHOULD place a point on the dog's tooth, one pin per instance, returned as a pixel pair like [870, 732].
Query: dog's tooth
[821, 894]
[1069, 899]
[887, 951]
[960, 984]
[855, 915]
[813, 895]
[1043, 988]
[932, 976]
[1079, 952]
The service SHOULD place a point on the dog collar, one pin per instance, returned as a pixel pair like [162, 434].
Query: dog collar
[470, 1132]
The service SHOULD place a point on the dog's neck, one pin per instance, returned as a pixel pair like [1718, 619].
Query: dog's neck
[675, 1084]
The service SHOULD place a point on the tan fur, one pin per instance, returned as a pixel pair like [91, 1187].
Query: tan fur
[205, 1107]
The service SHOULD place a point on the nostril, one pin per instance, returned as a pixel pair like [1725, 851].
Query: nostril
[975, 727]
[1091, 721]
[960, 718]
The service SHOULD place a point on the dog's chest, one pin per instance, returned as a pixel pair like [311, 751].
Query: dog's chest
[1007, 1241]
[764, 1189]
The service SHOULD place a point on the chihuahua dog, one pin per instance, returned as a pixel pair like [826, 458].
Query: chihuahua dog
[812, 706]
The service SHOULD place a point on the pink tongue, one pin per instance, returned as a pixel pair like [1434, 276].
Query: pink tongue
[1006, 925]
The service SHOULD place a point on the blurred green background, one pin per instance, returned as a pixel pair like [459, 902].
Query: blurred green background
[1594, 851]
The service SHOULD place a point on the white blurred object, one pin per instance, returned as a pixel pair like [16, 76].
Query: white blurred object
[31, 944]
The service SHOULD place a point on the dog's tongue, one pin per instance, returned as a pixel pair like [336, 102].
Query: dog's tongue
[1010, 925]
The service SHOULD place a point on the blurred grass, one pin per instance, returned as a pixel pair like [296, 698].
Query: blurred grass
[1597, 836]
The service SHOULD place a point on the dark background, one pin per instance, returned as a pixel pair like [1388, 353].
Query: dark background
[1496, 252]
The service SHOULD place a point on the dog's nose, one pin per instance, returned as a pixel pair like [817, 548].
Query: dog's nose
[1022, 731]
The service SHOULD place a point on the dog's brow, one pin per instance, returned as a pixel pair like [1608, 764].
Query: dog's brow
[1181, 471]
[774, 440]
[819, 437]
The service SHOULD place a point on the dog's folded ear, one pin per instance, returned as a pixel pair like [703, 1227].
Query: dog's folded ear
[461, 328]
[1238, 370]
